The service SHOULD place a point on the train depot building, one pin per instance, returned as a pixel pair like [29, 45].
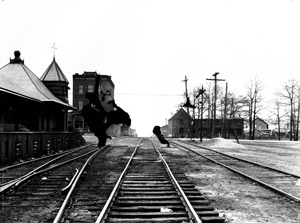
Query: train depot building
[33, 112]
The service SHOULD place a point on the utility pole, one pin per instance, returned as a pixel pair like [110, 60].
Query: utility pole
[201, 92]
[215, 102]
[224, 127]
[188, 105]
[186, 93]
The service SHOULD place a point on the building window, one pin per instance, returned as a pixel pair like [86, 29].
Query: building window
[90, 88]
[181, 121]
[80, 105]
[80, 89]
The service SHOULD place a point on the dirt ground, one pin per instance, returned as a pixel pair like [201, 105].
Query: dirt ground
[237, 199]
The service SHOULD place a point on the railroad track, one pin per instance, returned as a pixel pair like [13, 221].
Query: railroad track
[85, 202]
[109, 188]
[148, 191]
[282, 182]
[38, 196]
[11, 175]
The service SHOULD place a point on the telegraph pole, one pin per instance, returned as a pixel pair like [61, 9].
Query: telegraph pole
[215, 102]
[188, 104]
[201, 92]
[186, 92]
[224, 127]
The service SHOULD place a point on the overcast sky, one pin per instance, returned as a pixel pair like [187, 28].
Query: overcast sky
[148, 47]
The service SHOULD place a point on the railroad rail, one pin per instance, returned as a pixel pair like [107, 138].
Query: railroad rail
[86, 199]
[148, 191]
[282, 182]
[13, 174]
[37, 196]
[112, 184]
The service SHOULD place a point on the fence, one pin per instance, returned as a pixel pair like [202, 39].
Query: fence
[16, 146]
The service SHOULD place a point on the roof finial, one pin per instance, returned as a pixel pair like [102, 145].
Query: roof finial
[17, 58]
[54, 48]
[17, 54]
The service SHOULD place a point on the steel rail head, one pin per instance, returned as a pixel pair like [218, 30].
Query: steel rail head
[65, 189]
[62, 209]
[193, 215]
[113, 194]
[241, 159]
[27, 177]
[292, 197]
[6, 187]
[41, 158]
[15, 181]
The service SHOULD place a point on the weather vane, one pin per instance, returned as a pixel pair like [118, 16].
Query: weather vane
[54, 48]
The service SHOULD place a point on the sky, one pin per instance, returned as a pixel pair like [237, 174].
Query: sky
[148, 47]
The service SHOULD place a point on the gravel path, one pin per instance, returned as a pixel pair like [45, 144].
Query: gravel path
[238, 199]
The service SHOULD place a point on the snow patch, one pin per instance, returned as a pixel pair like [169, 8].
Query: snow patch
[221, 142]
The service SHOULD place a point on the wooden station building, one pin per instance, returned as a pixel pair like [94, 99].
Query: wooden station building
[33, 112]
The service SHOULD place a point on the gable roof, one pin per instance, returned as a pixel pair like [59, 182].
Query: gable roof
[54, 73]
[259, 119]
[181, 113]
[17, 79]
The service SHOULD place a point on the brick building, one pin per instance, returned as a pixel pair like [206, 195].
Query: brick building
[83, 83]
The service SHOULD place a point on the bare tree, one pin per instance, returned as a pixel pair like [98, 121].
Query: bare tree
[254, 102]
[237, 106]
[289, 95]
[279, 114]
[298, 116]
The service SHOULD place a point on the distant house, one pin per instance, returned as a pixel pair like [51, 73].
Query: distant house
[260, 124]
[183, 126]
[262, 130]
[179, 125]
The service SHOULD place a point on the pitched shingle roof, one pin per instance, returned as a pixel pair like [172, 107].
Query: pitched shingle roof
[54, 73]
[17, 79]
